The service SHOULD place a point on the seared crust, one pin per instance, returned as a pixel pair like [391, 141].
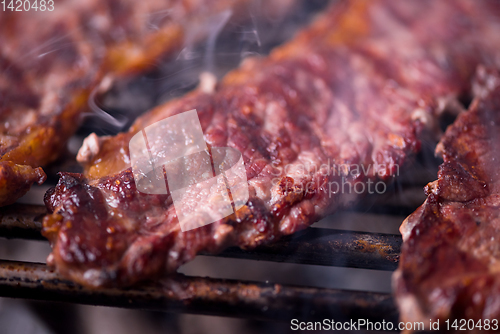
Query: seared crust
[50, 61]
[450, 258]
[15, 180]
[357, 88]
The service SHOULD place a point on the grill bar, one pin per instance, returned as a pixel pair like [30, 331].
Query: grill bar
[22, 221]
[202, 296]
[328, 247]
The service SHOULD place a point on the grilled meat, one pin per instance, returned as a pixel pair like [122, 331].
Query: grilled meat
[318, 122]
[51, 60]
[450, 258]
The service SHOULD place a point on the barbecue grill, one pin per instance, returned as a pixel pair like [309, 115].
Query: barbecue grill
[261, 300]
[238, 298]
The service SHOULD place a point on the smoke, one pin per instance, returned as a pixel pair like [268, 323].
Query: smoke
[216, 26]
[231, 39]
[215, 44]
[99, 116]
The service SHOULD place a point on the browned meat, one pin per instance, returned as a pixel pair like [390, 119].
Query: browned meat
[451, 255]
[51, 60]
[356, 89]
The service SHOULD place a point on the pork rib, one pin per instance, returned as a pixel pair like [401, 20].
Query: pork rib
[450, 258]
[51, 60]
[358, 88]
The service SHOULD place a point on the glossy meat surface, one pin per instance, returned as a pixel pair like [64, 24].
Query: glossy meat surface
[451, 256]
[346, 101]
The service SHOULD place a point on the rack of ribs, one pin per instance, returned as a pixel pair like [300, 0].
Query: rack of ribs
[360, 88]
[50, 61]
[450, 256]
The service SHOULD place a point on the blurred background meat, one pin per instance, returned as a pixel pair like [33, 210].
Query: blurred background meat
[54, 61]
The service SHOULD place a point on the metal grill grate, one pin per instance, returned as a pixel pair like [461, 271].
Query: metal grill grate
[198, 295]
